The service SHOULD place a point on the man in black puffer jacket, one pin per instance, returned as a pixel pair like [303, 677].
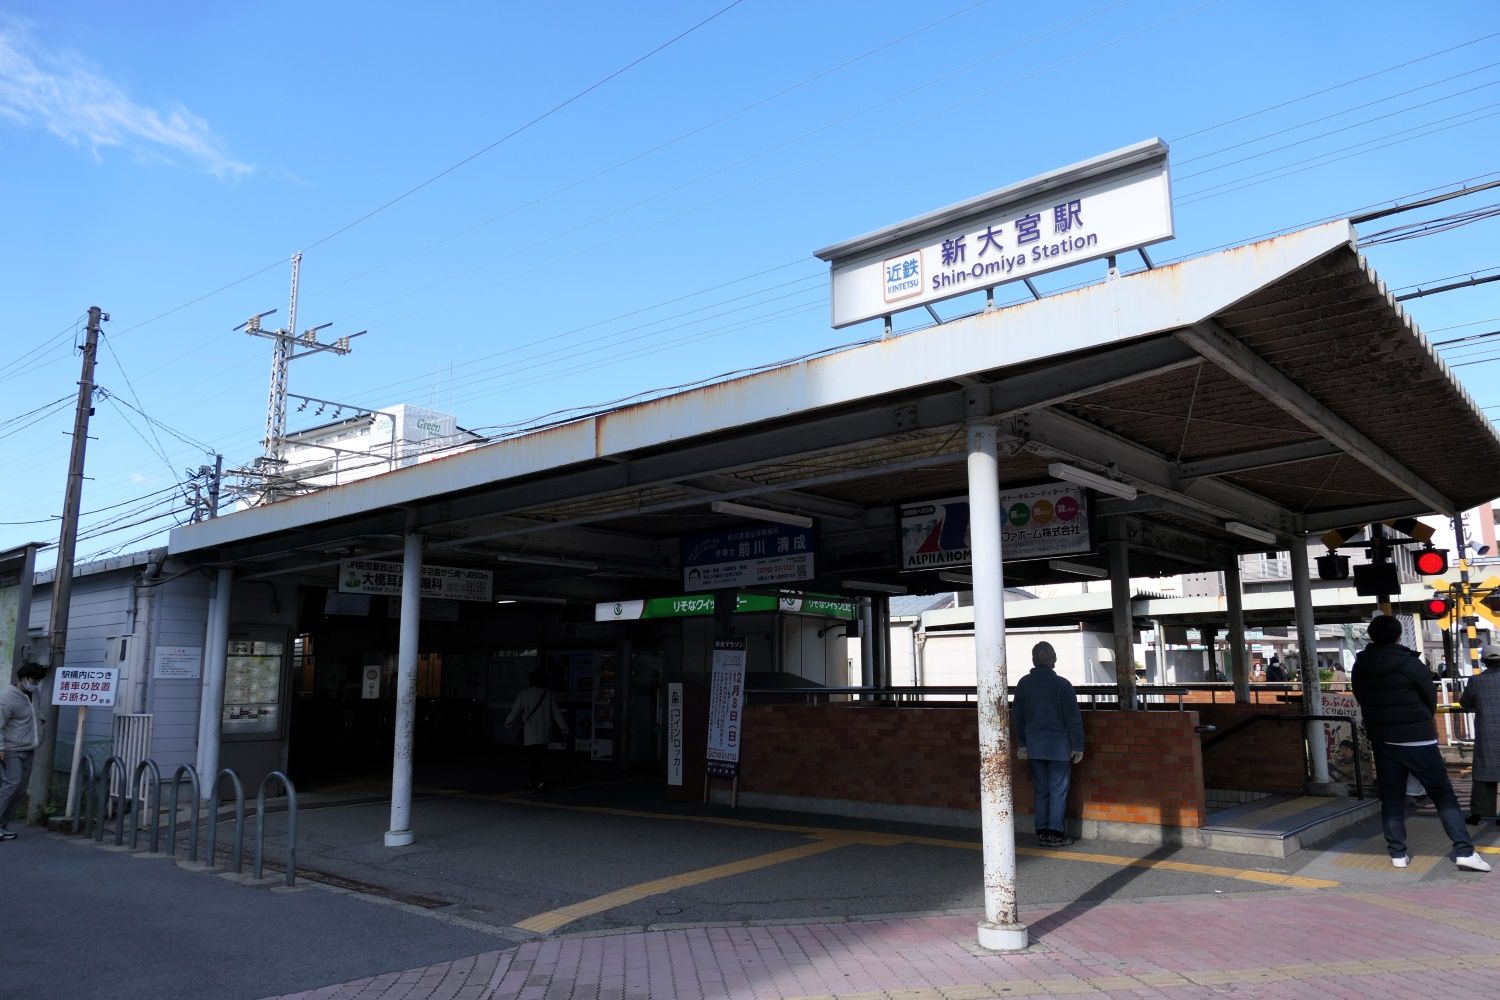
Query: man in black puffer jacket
[1396, 696]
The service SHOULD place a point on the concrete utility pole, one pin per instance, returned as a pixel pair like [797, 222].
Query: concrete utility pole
[62, 579]
[1468, 639]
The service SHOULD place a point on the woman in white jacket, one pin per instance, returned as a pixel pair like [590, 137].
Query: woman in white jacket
[536, 710]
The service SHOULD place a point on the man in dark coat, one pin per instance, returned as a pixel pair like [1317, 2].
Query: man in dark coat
[1482, 697]
[1398, 701]
[1048, 732]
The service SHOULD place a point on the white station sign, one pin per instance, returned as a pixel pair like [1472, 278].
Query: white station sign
[1088, 211]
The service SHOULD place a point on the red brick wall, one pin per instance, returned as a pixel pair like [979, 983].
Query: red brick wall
[1139, 767]
[1263, 757]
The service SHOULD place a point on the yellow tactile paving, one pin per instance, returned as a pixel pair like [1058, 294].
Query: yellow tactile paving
[1426, 843]
[544, 923]
[828, 838]
[1170, 980]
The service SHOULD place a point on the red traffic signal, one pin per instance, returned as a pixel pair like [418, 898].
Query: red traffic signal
[1431, 562]
[1437, 606]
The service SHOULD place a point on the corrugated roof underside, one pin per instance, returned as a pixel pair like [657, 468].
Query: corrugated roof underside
[1332, 328]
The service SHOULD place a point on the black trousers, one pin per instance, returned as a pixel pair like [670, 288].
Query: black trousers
[536, 760]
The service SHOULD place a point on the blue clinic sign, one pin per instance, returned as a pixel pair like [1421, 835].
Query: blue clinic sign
[746, 557]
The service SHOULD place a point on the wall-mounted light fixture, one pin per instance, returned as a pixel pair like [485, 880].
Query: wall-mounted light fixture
[760, 513]
[1250, 531]
[1078, 569]
[1082, 477]
[953, 576]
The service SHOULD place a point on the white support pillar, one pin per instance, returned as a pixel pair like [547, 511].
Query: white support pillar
[211, 702]
[1312, 684]
[400, 834]
[1124, 622]
[1001, 929]
[1239, 659]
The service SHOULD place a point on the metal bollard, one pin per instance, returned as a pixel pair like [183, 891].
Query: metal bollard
[119, 765]
[147, 766]
[192, 773]
[239, 818]
[83, 807]
[291, 825]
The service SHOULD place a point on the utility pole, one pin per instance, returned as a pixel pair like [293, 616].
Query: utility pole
[289, 346]
[62, 581]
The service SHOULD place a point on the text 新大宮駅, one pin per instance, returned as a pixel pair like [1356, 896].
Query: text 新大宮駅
[992, 259]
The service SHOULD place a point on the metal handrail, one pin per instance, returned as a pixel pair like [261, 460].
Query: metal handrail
[83, 804]
[239, 818]
[119, 766]
[291, 825]
[1221, 735]
[900, 695]
[192, 773]
[147, 766]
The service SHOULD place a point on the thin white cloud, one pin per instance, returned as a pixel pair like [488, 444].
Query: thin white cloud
[40, 89]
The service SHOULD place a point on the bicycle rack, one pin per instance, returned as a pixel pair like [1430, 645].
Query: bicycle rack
[147, 766]
[192, 774]
[119, 766]
[239, 818]
[83, 806]
[291, 825]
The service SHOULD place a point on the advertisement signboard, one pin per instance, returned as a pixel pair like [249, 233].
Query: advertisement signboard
[702, 605]
[747, 557]
[1088, 211]
[674, 734]
[726, 707]
[454, 583]
[1039, 522]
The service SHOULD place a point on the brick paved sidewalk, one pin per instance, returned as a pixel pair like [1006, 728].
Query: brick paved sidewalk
[1429, 942]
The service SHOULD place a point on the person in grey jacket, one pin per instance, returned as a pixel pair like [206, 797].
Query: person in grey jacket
[19, 735]
[1048, 732]
[1482, 697]
[536, 710]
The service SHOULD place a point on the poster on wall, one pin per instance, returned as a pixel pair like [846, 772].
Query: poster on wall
[726, 707]
[746, 557]
[1341, 747]
[1037, 522]
[603, 747]
[674, 734]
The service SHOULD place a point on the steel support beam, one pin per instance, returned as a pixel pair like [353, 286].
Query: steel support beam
[1264, 458]
[1307, 643]
[1314, 524]
[1001, 929]
[400, 834]
[1239, 656]
[1124, 622]
[1215, 343]
[1077, 439]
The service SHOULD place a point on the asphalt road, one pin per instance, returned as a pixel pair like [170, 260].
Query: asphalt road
[84, 921]
[81, 922]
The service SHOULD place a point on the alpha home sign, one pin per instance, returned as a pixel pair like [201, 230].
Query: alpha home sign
[1094, 209]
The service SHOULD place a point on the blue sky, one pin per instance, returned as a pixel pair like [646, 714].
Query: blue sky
[658, 229]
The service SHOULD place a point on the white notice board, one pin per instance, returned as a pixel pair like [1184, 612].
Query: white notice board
[177, 663]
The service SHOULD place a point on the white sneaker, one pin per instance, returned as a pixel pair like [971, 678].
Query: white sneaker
[1473, 863]
[1401, 862]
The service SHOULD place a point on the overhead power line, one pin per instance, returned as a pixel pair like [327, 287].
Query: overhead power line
[529, 124]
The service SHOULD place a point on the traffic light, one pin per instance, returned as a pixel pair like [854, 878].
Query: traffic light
[1436, 607]
[1431, 562]
[1333, 567]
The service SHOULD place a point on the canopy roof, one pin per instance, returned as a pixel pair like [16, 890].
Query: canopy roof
[1277, 384]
